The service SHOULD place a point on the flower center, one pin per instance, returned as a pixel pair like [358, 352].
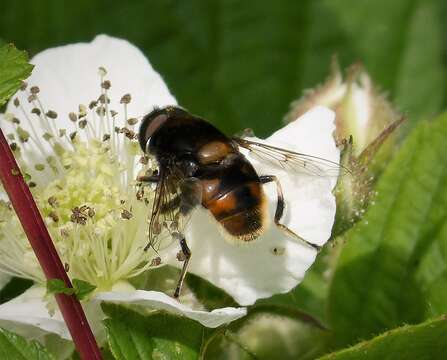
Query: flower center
[85, 188]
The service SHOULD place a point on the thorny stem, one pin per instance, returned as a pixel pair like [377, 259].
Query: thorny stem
[39, 238]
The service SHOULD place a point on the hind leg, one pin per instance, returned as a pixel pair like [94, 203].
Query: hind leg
[280, 211]
[187, 254]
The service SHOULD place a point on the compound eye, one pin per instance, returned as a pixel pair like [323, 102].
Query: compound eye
[149, 126]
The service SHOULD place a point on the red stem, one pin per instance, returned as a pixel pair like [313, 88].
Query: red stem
[46, 253]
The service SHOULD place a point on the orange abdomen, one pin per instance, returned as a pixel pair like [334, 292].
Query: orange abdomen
[240, 210]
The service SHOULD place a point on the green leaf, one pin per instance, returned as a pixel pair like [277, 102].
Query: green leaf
[427, 341]
[15, 347]
[390, 270]
[82, 288]
[14, 288]
[431, 274]
[430, 83]
[57, 286]
[132, 335]
[14, 68]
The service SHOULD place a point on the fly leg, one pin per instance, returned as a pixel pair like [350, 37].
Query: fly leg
[148, 178]
[280, 211]
[143, 180]
[187, 255]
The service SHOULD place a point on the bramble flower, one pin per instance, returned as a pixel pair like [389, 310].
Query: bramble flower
[72, 129]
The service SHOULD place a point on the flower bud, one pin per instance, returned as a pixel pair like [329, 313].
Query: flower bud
[365, 124]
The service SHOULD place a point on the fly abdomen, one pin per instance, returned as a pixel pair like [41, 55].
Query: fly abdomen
[240, 211]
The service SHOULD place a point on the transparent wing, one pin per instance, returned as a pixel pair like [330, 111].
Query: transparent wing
[173, 203]
[190, 195]
[293, 161]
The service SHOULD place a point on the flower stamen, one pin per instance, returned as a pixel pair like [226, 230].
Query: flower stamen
[90, 205]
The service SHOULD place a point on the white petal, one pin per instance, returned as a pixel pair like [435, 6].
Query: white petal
[162, 301]
[310, 203]
[256, 270]
[28, 316]
[68, 76]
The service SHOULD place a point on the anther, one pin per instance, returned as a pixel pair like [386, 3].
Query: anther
[51, 114]
[132, 121]
[103, 99]
[126, 214]
[53, 216]
[82, 124]
[106, 84]
[78, 216]
[91, 212]
[278, 251]
[101, 111]
[34, 90]
[36, 111]
[72, 116]
[52, 201]
[156, 261]
[181, 256]
[126, 99]
[22, 134]
[82, 111]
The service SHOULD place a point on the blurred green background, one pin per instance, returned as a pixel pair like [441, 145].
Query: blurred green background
[240, 63]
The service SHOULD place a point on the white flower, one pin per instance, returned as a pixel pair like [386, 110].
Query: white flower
[84, 185]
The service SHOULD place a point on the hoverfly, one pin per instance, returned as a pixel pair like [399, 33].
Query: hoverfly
[200, 166]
